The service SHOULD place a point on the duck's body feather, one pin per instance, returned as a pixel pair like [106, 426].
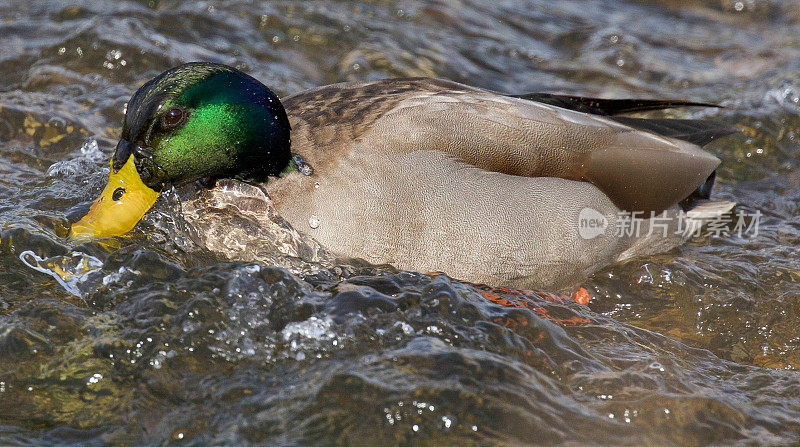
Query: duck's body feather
[432, 175]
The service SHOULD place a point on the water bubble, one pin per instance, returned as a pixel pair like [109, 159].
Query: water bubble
[57, 122]
[94, 379]
[405, 327]
[92, 151]
[433, 329]
[303, 166]
[313, 328]
[313, 221]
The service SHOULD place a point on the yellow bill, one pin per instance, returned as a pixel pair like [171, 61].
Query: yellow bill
[120, 206]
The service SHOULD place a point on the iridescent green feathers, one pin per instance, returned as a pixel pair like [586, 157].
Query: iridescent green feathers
[204, 120]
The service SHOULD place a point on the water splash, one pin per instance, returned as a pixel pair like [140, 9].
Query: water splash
[90, 154]
[71, 271]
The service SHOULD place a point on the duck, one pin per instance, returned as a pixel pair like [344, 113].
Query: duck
[427, 175]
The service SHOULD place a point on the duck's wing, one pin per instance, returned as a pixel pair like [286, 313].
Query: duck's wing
[526, 136]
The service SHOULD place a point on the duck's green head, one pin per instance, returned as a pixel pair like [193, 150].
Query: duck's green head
[197, 120]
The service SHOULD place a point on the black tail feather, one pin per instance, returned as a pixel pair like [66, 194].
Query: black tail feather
[701, 194]
[700, 132]
[609, 107]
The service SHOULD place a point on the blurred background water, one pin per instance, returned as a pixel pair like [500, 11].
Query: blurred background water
[150, 340]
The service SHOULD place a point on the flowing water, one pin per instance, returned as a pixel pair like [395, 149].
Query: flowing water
[149, 340]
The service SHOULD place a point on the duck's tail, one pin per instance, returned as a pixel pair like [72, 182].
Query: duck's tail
[682, 225]
[700, 195]
[699, 132]
[709, 210]
[699, 206]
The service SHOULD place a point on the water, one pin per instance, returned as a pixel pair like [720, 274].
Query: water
[151, 340]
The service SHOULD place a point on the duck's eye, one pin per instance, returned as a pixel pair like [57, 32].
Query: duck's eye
[117, 194]
[173, 117]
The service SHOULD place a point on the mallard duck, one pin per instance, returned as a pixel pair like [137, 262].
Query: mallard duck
[423, 174]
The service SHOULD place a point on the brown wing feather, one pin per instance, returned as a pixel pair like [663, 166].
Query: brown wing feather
[637, 169]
